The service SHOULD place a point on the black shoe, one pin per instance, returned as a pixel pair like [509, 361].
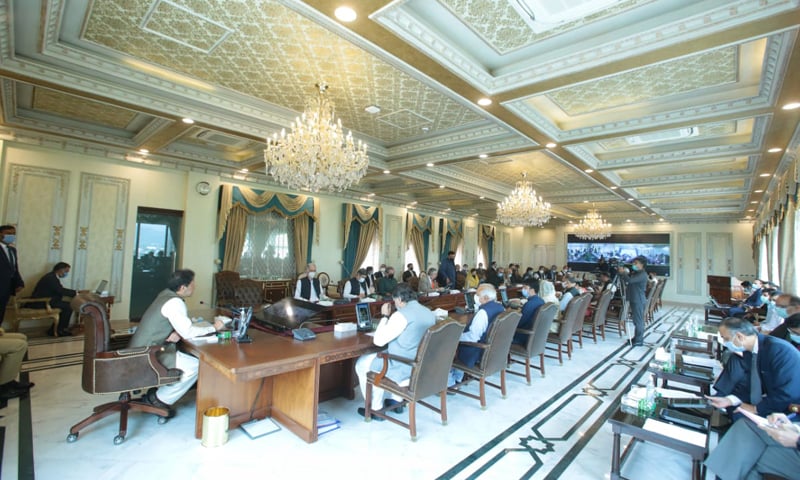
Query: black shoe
[51, 332]
[8, 392]
[64, 333]
[389, 402]
[151, 399]
[363, 413]
[19, 386]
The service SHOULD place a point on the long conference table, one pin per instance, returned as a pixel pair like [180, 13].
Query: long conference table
[280, 377]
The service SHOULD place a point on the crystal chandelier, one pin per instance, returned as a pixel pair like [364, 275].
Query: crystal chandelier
[316, 154]
[522, 208]
[592, 226]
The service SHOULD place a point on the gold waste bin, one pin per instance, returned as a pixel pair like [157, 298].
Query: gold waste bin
[215, 426]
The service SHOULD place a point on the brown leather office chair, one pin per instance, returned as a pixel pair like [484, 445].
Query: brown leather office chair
[493, 359]
[117, 371]
[597, 323]
[536, 342]
[567, 326]
[225, 283]
[429, 374]
[29, 308]
[248, 293]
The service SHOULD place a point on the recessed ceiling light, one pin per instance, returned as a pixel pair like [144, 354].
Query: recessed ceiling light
[747, 217]
[345, 14]
[448, 209]
[614, 187]
[791, 106]
[758, 191]
[653, 214]
[373, 109]
[429, 164]
[630, 199]
[588, 170]
[551, 145]
[775, 150]
[426, 129]
[483, 155]
[628, 220]
[751, 209]
[187, 120]
[482, 197]
[754, 202]
[765, 175]
[484, 102]
[414, 202]
[387, 172]
[144, 151]
[371, 194]
[441, 186]
[586, 201]
[660, 219]
[244, 170]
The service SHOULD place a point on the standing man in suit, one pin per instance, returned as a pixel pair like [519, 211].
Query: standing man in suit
[636, 282]
[49, 286]
[10, 280]
[308, 287]
[775, 383]
[447, 270]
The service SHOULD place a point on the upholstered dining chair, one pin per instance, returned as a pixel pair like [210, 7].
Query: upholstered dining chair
[429, 374]
[117, 371]
[494, 358]
[536, 342]
[248, 293]
[597, 322]
[563, 338]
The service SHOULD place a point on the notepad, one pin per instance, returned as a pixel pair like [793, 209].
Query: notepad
[259, 428]
[676, 432]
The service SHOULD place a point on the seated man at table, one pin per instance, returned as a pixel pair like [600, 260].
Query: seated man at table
[49, 286]
[488, 308]
[165, 322]
[356, 287]
[308, 287]
[788, 306]
[753, 301]
[528, 313]
[776, 381]
[387, 283]
[748, 451]
[427, 282]
[570, 291]
[401, 333]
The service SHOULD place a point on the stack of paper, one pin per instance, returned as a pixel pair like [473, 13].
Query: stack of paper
[326, 423]
[259, 428]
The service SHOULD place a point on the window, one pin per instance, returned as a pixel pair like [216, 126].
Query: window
[373, 258]
[411, 257]
[268, 252]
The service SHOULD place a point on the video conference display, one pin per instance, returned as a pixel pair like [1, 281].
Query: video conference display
[584, 255]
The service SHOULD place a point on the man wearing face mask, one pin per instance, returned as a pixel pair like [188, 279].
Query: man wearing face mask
[10, 279]
[635, 283]
[487, 311]
[356, 287]
[49, 286]
[753, 301]
[387, 283]
[773, 369]
[788, 307]
[308, 287]
[528, 312]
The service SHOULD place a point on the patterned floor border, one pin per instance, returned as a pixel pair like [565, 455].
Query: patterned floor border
[582, 407]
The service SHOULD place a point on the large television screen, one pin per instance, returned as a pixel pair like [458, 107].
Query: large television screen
[584, 255]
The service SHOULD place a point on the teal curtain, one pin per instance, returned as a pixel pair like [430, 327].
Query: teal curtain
[361, 224]
[418, 235]
[452, 231]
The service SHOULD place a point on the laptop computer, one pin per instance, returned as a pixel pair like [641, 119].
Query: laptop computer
[504, 297]
[363, 317]
[101, 287]
[469, 300]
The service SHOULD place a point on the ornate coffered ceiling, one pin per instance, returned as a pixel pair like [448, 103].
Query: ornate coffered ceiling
[659, 109]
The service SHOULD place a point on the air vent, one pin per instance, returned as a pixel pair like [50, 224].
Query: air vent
[664, 136]
[544, 15]
[216, 138]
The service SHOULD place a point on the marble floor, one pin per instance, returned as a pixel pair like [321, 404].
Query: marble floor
[555, 428]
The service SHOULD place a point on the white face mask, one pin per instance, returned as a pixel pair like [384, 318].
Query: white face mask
[362, 279]
[476, 299]
[312, 274]
[383, 269]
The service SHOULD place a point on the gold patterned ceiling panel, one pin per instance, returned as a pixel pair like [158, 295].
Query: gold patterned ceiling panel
[546, 173]
[709, 69]
[500, 25]
[277, 55]
[71, 106]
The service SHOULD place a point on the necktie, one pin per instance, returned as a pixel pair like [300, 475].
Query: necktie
[755, 381]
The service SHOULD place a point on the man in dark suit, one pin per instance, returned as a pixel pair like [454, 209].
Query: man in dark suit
[776, 384]
[635, 283]
[528, 312]
[49, 286]
[10, 279]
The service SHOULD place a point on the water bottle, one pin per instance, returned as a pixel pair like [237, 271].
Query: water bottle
[673, 350]
[651, 397]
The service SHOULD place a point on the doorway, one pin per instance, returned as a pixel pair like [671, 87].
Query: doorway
[158, 233]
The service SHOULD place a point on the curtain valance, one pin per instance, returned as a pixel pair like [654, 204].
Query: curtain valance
[363, 214]
[257, 202]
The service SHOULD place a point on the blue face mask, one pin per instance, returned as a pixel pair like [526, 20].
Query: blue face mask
[9, 238]
[526, 293]
[733, 347]
[64, 275]
[781, 311]
[634, 268]
[794, 337]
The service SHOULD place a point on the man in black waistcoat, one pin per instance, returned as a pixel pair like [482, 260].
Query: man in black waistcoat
[308, 287]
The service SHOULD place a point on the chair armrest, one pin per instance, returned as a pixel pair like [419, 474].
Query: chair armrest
[138, 352]
[474, 344]
[525, 331]
[386, 356]
[45, 300]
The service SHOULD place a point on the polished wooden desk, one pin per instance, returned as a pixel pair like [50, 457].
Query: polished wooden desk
[277, 377]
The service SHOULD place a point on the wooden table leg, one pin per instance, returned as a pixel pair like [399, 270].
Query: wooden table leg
[615, 463]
